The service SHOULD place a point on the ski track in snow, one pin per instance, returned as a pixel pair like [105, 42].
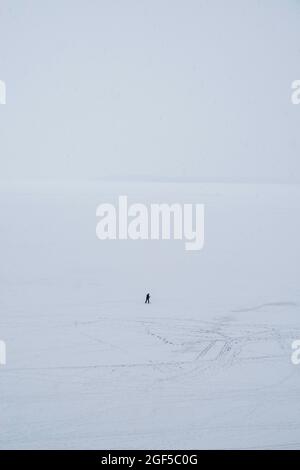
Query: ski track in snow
[199, 351]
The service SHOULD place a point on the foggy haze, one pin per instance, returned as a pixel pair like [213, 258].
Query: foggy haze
[185, 90]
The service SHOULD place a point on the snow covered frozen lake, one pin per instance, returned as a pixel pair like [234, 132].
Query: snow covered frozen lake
[206, 365]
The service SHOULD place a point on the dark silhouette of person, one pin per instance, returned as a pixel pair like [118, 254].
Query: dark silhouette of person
[147, 301]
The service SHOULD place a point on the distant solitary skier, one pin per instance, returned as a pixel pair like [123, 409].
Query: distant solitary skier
[147, 301]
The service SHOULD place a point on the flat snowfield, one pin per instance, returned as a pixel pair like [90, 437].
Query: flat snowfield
[206, 365]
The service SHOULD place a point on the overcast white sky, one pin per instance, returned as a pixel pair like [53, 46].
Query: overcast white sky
[159, 88]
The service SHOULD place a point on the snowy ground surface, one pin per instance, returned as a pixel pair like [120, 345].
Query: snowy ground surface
[206, 365]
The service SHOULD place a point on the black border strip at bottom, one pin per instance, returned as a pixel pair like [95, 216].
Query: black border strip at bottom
[152, 458]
